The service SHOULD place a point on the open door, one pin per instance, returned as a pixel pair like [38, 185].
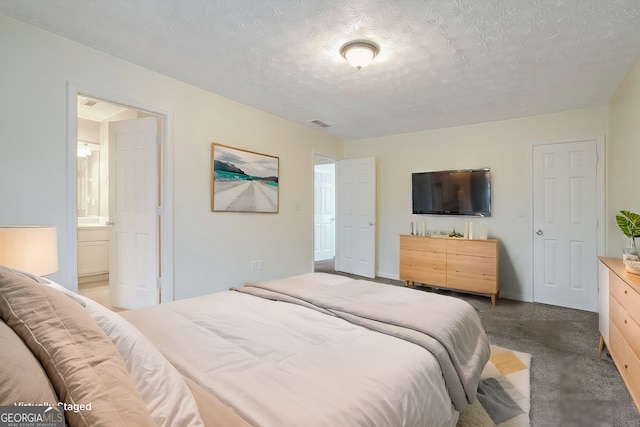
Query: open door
[133, 196]
[324, 212]
[357, 217]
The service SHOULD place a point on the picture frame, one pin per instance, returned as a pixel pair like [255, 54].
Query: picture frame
[243, 180]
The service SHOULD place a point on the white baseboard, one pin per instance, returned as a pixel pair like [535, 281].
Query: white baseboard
[393, 276]
[93, 278]
[513, 296]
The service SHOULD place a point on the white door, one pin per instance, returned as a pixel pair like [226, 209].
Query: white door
[324, 212]
[357, 216]
[565, 222]
[133, 197]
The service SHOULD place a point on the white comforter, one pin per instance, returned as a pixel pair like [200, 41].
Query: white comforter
[279, 364]
[447, 327]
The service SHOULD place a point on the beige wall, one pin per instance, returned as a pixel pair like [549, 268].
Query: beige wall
[623, 186]
[503, 146]
[212, 251]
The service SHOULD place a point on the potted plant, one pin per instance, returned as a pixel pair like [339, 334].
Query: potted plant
[629, 223]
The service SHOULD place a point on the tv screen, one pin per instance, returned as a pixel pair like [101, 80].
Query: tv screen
[454, 192]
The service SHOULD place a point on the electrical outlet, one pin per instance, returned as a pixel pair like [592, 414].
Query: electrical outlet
[254, 265]
[260, 264]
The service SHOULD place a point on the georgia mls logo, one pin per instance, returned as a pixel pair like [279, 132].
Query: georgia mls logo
[31, 416]
[55, 409]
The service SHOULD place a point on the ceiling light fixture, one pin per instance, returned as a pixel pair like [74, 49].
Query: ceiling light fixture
[84, 150]
[359, 53]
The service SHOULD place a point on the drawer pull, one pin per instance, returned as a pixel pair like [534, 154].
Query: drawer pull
[625, 291]
[625, 321]
[626, 366]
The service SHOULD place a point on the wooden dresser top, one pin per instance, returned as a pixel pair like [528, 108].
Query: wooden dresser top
[617, 266]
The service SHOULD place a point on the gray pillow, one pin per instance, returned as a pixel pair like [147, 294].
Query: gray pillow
[81, 362]
[33, 277]
[22, 378]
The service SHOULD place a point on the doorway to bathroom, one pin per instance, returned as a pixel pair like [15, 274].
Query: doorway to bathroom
[119, 204]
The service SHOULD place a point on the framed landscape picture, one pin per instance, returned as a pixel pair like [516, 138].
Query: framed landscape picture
[243, 181]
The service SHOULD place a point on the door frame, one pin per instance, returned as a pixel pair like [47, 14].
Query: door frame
[601, 201]
[165, 184]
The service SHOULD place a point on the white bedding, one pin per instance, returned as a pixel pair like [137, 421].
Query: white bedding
[160, 385]
[280, 364]
[449, 328]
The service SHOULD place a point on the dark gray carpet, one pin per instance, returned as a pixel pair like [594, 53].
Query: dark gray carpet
[570, 385]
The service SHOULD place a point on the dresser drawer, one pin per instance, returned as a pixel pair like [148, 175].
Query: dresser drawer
[429, 260]
[627, 327]
[423, 243]
[617, 345]
[622, 322]
[423, 274]
[423, 267]
[628, 298]
[466, 281]
[474, 265]
[633, 378]
[481, 248]
[472, 273]
[626, 361]
[464, 265]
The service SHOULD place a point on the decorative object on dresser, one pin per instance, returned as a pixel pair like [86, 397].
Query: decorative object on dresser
[619, 321]
[629, 223]
[453, 263]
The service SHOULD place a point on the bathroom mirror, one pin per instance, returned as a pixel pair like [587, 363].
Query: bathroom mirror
[88, 182]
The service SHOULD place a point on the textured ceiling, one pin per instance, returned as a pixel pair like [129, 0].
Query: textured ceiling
[442, 62]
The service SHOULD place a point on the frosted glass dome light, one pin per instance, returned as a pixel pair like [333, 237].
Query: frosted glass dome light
[359, 53]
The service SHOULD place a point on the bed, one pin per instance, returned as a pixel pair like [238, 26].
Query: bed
[313, 350]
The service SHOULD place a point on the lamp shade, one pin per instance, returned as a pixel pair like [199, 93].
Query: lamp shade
[31, 249]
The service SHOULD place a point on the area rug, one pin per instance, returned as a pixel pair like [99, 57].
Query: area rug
[504, 391]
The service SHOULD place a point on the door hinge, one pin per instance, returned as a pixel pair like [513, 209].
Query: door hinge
[159, 210]
[159, 138]
[159, 283]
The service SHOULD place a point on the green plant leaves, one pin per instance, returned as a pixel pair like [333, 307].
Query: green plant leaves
[629, 223]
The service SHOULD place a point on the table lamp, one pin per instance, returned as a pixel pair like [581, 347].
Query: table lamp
[32, 249]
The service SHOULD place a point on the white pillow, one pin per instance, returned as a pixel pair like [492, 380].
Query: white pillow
[160, 385]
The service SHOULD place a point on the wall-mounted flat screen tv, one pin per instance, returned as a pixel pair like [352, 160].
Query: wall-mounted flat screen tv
[453, 192]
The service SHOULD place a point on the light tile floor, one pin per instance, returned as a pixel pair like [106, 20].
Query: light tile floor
[97, 291]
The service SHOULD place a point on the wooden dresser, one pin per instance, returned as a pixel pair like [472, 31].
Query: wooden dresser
[622, 318]
[465, 265]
